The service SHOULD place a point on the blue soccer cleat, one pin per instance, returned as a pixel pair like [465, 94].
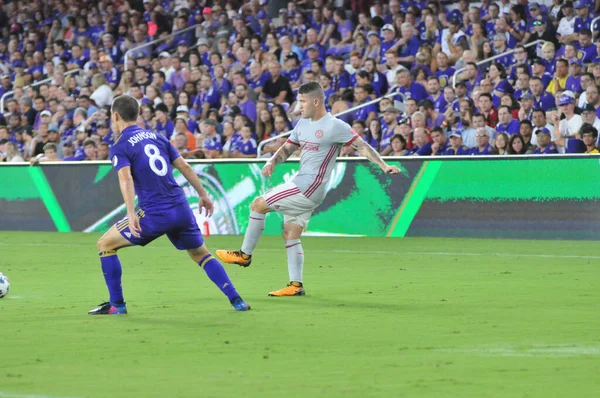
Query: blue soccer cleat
[240, 305]
[107, 308]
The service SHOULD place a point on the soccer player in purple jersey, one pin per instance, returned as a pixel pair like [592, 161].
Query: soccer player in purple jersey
[321, 137]
[144, 161]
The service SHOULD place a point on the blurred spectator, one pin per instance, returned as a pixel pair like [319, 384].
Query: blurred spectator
[212, 144]
[102, 94]
[516, 145]
[456, 146]
[13, 154]
[545, 146]
[440, 144]
[501, 144]
[181, 127]
[237, 62]
[589, 136]
[103, 151]
[570, 125]
[483, 146]
[277, 87]
[245, 146]
[398, 145]
[422, 146]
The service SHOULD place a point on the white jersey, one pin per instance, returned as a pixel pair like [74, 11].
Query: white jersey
[320, 142]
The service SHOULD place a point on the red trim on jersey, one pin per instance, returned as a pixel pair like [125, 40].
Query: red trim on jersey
[295, 244]
[321, 173]
[292, 142]
[283, 197]
[352, 140]
[282, 194]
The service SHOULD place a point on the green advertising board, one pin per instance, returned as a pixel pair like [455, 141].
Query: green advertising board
[533, 197]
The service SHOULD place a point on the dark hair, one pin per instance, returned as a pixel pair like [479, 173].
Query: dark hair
[437, 129]
[585, 32]
[564, 61]
[528, 122]
[524, 67]
[587, 128]
[399, 137]
[520, 11]
[496, 150]
[368, 88]
[89, 141]
[427, 104]
[348, 95]
[501, 69]
[532, 78]
[504, 106]
[162, 107]
[362, 74]
[361, 122]
[512, 139]
[486, 95]
[127, 107]
[283, 113]
[310, 88]
[543, 112]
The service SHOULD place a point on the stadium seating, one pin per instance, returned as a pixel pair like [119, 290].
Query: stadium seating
[448, 78]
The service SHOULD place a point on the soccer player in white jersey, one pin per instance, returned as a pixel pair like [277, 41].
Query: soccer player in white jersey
[320, 137]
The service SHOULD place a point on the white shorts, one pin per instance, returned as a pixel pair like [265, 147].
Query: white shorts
[289, 201]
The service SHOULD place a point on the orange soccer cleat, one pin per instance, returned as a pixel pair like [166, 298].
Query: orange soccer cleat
[234, 257]
[293, 289]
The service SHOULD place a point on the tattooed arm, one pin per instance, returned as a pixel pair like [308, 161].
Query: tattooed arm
[370, 153]
[280, 156]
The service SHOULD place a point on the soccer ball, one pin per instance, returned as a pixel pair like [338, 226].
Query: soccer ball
[4, 285]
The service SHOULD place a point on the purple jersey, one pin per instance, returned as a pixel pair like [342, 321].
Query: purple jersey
[149, 155]
[246, 147]
[444, 76]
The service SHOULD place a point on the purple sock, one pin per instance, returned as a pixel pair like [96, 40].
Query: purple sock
[111, 267]
[217, 274]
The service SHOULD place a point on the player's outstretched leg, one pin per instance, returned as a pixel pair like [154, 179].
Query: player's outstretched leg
[256, 226]
[217, 274]
[295, 255]
[111, 268]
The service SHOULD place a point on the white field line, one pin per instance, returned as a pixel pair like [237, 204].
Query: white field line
[552, 351]
[416, 253]
[4, 394]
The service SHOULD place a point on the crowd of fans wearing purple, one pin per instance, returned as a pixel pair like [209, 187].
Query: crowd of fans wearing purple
[219, 77]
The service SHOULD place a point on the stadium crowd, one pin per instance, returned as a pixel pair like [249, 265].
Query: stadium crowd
[225, 75]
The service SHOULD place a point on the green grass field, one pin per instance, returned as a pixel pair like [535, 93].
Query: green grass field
[382, 318]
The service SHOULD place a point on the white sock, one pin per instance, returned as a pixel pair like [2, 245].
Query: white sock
[256, 226]
[295, 255]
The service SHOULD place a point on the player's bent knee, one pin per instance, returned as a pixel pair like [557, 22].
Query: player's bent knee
[259, 205]
[103, 245]
[198, 254]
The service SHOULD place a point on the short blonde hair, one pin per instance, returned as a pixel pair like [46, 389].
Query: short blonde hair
[548, 46]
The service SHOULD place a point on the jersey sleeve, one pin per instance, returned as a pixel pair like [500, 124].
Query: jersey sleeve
[343, 134]
[294, 138]
[119, 157]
